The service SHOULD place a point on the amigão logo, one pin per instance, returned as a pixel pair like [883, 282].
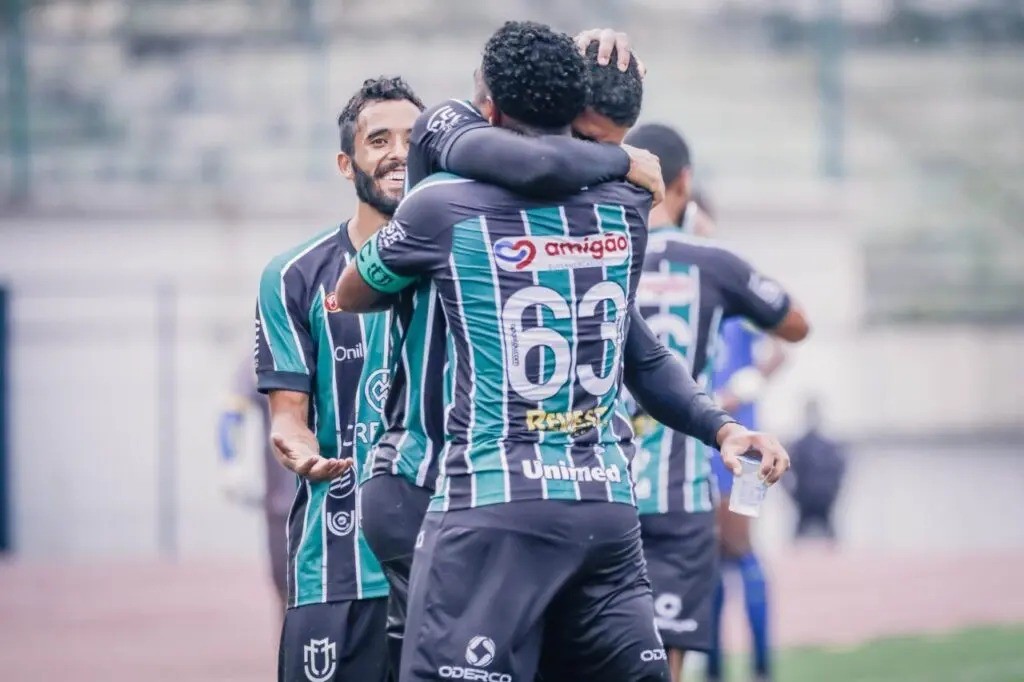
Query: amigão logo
[514, 255]
[532, 254]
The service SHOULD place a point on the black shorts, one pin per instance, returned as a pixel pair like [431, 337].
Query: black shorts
[338, 641]
[500, 592]
[682, 559]
[277, 553]
[396, 509]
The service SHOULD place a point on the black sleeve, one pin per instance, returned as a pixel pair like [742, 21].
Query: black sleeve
[663, 388]
[748, 293]
[434, 133]
[545, 167]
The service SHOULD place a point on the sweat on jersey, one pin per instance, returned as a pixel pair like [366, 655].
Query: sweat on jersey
[536, 296]
[305, 343]
[421, 384]
[688, 287]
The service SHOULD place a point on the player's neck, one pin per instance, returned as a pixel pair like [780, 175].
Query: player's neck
[364, 224]
[662, 215]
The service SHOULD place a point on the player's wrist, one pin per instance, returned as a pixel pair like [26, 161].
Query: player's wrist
[729, 430]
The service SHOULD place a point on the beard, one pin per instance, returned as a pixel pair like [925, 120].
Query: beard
[369, 192]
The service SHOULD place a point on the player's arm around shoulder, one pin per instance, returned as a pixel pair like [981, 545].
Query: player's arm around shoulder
[415, 244]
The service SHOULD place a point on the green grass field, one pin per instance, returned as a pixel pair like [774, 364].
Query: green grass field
[980, 655]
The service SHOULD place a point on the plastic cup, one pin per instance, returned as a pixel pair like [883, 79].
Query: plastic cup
[748, 489]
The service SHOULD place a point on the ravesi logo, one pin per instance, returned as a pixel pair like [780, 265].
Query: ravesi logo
[561, 253]
[519, 254]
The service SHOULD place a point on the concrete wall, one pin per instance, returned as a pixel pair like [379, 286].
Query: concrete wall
[86, 405]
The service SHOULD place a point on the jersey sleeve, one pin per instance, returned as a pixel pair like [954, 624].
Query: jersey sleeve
[545, 167]
[750, 294]
[434, 133]
[284, 342]
[416, 243]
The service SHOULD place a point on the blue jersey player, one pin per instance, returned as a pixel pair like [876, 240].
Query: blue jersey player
[689, 286]
[535, 509]
[326, 373]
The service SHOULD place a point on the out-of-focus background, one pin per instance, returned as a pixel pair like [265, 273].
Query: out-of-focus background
[154, 154]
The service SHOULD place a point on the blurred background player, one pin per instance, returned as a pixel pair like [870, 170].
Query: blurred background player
[742, 376]
[327, 370]
[256, 480]
[689, 286]
[819, 466]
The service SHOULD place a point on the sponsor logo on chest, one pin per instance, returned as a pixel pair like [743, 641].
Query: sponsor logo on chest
[666, 288]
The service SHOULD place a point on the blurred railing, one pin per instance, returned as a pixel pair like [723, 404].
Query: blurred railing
[171, 106]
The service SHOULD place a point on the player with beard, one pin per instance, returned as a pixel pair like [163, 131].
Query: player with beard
[326, 375]
[506, 469]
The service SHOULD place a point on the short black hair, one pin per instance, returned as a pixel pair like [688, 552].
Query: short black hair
[617, 95]
[380, 89]
[535, 75]
[666, 143]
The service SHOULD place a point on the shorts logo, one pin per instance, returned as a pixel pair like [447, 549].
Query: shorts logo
[479, 655]
[376, 389]
[517, 254]
[667, 609]
[340, 523]
[537, 254]
[480, 651]
[648, 655]
[320, 658]
[535, 469]
[343, 485]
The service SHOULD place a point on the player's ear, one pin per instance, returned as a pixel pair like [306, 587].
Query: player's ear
[345, 166]
[686, 181]
[491, 112]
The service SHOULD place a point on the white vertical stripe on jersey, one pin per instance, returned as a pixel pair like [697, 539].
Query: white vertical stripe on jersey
[464, 323]
[540, 404]
[428, 448]
[574, 344]
[599, 448]
[504, 355]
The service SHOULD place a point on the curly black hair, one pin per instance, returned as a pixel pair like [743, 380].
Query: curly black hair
[535, 75]
[617, 95]
[382, 88]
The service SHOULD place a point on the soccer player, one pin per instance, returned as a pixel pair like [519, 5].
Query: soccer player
[326, 373]
[278, 484]
[739, 379]
[455, 136]
[688, 287]
[536, 297]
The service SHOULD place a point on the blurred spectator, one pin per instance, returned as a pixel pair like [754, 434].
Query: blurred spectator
[816, 477]
[241, 470]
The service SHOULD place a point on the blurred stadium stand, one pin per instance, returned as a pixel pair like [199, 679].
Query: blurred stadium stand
[174, 146]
